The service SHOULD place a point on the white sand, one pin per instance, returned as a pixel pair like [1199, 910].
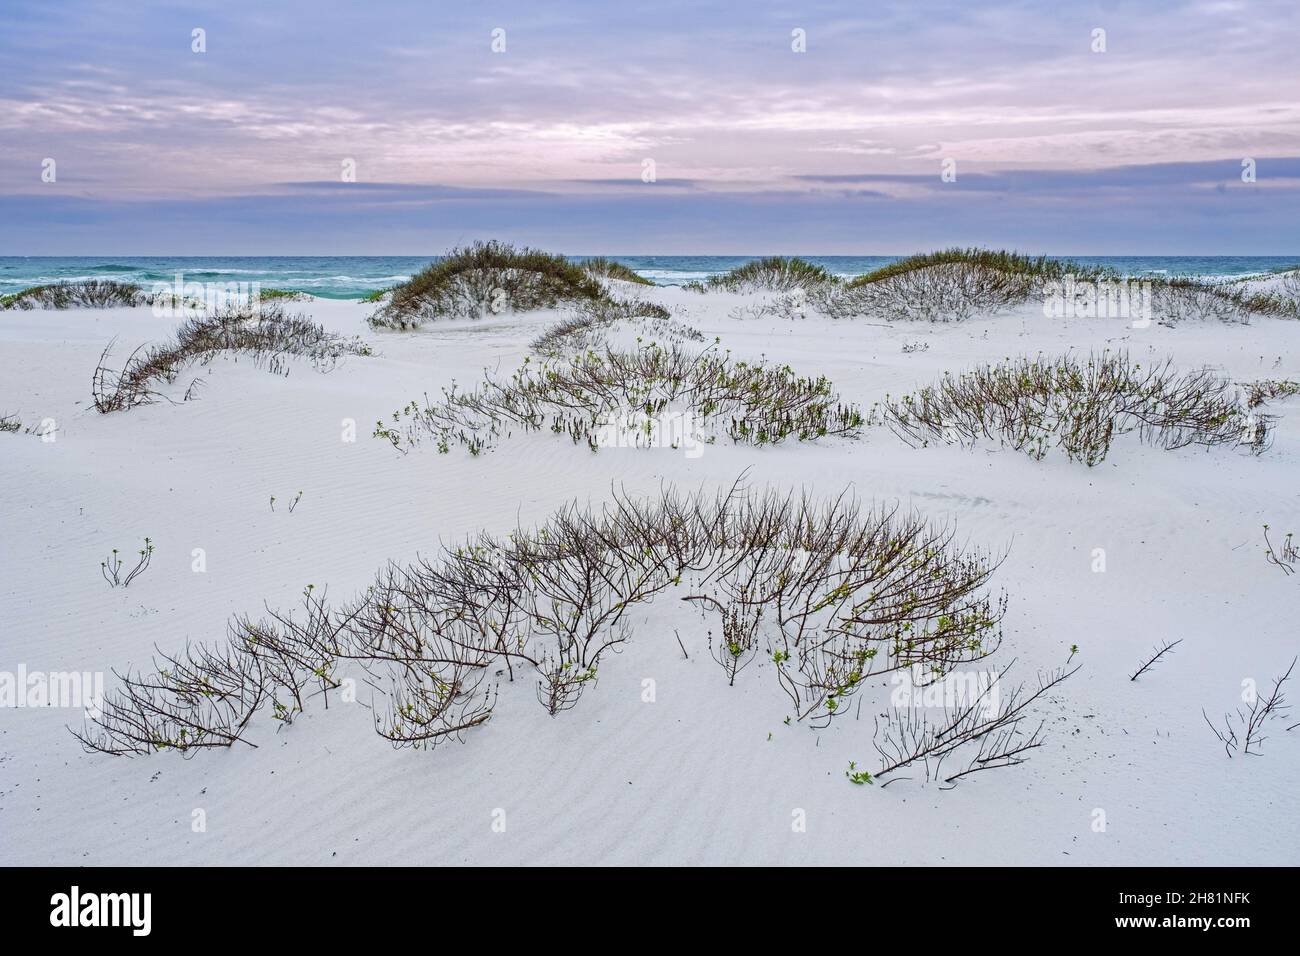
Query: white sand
[693, 777]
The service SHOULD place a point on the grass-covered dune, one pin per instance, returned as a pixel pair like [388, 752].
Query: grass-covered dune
[487, 278]
[109, 293]
[950, 285]
[610, 269]
[1178, 298]
[263, 331]
[772, 274]
[287, 295]
[1001, 261]
[88, 294]
[954, 284]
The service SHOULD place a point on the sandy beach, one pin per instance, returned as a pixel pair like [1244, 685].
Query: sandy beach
[661, 761]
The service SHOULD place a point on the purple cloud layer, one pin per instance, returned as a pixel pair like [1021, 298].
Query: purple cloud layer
[1051, 141]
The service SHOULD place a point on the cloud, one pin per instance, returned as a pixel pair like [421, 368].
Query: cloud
[637, 182]
[399, 192]
[1169, 220]
[1283, 171]
[583, 94]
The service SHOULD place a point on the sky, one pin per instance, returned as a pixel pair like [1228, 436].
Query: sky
[390, 128]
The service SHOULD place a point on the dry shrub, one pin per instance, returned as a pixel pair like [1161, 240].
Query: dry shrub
[750, 403]
[942, 292]
[1078, 406]
[1270, 390]
[837, 593]
[586, 328]
[1291, 284]
[264, 332]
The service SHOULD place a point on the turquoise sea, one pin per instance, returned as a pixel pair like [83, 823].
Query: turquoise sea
[347, 277]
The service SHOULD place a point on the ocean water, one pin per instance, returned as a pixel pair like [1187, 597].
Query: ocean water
[350, 277]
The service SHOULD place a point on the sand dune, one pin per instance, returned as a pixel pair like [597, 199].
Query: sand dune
[706, 773]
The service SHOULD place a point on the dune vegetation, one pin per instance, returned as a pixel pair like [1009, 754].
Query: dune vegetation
[1079, 406]
[955, 284]
[1036, 268]
[772, 274]
[1268, 390]
[486, 278]
[610, 269]
[1291, 284]
[828, 595]
[87, 294]
[591, 323]
[286, 295]
[265, 333]
[950, 285]
[749, 403]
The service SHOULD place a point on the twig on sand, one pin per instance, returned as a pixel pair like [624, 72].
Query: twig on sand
[1165, 649]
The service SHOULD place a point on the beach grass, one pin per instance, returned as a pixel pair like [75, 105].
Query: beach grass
[88, 294]
[483, 278]
[1079, 405]
[611, 269]
[1000, 260]
[771, 274]
[264, 332]
[288, 295]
